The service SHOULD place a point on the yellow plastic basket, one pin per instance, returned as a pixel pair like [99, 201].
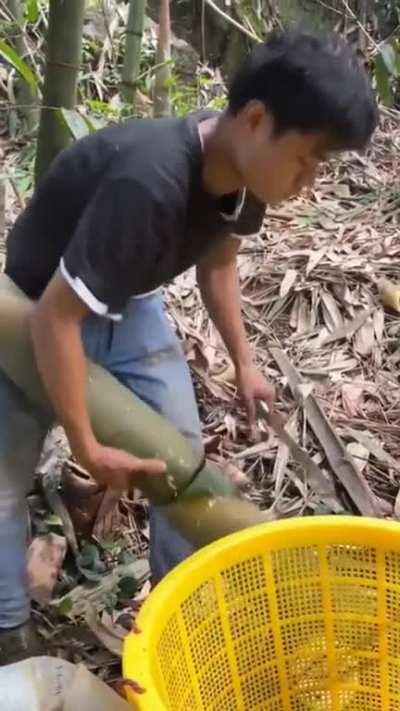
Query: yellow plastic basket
[301, 615]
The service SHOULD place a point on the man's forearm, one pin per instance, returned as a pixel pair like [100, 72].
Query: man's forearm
[220, 291]
[56, 335]
[219, 283]
[61, 363]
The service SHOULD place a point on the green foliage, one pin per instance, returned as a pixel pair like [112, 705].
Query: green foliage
[65, 607]
[127, 587]
[90, 564]
[79, 126]
[19, 64]
[387, 72]
[204, 93]
[23, 174]
[31, 10]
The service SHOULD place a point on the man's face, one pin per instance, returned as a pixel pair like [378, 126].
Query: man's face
[274, 167]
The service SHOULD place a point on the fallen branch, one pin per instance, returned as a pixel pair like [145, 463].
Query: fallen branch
[232, 21]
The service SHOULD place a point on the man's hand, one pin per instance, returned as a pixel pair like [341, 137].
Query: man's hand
[252, 386]
[118, 469]
[219, 283]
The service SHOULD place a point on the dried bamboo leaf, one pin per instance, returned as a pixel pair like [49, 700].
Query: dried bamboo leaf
[304, 390]
[348, 328]
[51, 482]
[304, 318]
[294, 314]
[287, 282]
[344, 469]
[319, 481]
[256, 450]
[332, 316]
[280, 464]
[282, 456]
[352, 394]
[396, 510]
[44, 560]
[105, 634]
[365, 339]
[379, 324]
[359, 455]
[314, 260]
[374, 447]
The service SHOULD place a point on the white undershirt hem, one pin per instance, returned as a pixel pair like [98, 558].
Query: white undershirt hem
[85, 295]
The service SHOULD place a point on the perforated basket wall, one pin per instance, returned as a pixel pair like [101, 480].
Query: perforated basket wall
[301, 615]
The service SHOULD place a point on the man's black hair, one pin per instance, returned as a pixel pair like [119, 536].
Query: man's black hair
[309, 83]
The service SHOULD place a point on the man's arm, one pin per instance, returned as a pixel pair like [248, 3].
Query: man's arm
[218, 280]
[56, 333]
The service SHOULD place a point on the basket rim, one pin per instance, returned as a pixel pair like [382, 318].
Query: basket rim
[286, 533]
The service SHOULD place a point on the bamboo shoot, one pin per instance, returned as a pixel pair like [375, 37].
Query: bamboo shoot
[198, 499]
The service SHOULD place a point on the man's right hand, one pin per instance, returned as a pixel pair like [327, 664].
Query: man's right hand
[118, 469]
[56, 332]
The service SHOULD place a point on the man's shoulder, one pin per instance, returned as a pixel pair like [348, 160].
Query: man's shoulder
[137, 143]
[157, 157]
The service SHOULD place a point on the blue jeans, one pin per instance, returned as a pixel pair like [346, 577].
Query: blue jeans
[143, 352]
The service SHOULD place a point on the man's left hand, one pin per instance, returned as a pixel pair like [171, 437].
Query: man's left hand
[253, 386]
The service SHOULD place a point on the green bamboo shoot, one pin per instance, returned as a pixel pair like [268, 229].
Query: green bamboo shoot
[198, 500]
[63, 59]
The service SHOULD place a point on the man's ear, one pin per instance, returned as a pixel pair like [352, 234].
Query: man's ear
[255, 114]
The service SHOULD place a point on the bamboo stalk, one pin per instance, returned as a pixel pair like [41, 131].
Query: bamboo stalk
[64, 47]
[133, 43]
[202, 506]
[162, 105]
[26, 96]
[209, 518]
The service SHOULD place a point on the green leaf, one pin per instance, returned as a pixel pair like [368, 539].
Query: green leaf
[32, 10]
[390, 58]
[396, 46]
[89, 555]
[127, 587]
[24, 187]
[126, 558]
[53, 520]
[65, 606]
[75, 123]
[19, 64]
[93, 125]
[90, 564]
[383, 84]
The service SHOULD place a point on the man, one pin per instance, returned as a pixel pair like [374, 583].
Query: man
[124, 211]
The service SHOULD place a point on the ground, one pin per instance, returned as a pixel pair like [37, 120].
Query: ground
[317, 288]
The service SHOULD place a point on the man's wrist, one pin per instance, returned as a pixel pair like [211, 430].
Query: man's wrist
[243, 361]
[84, 447]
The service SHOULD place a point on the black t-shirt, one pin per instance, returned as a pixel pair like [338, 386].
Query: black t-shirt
[122, 212]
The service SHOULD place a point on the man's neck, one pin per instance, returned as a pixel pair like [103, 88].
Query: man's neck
[220, 177]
